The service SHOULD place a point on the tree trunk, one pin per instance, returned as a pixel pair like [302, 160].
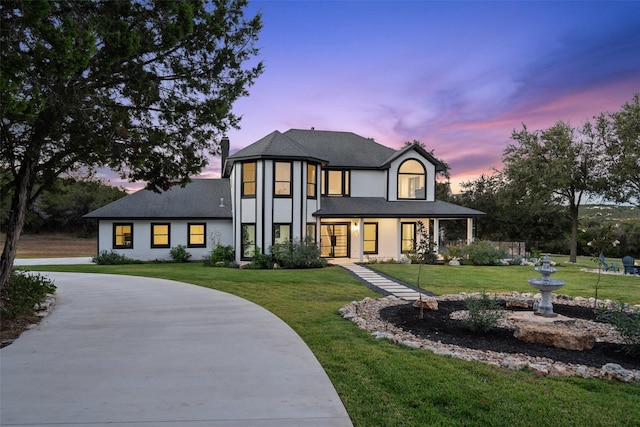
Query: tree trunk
[573, 253]
[17, 215]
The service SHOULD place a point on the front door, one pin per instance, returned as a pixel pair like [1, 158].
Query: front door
[334, 240]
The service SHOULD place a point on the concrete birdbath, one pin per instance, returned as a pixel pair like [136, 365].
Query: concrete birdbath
[546, 285]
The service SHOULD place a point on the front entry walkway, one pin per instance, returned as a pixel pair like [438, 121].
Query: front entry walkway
[381, 283]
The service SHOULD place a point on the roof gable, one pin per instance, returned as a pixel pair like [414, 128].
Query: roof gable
[424, 153]
[201, 198]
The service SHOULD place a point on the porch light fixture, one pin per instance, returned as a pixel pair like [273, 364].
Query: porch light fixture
[355, 226]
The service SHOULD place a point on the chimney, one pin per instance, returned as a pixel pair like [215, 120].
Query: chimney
[224, 152]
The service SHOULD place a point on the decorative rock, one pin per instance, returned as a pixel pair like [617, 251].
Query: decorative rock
[560, 370]
[519, 302]
[429, 303]
[539, 368]
[346, 312]
[617, 372]
[454, 262]
[555, 336]
[513, 363]
[412, 344]
[381, 335]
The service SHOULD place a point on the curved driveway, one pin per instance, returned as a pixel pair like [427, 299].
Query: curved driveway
[123, 350]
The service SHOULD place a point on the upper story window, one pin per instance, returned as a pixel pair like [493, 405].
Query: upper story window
[282, 179]
[160, 235]
[249, 179]
[123, 236]
[335, 183]
[312, 180]
[411, 179]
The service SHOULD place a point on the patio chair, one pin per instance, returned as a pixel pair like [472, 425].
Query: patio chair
[606, 266]
[627, 263]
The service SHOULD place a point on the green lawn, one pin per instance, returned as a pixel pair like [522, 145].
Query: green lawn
[446, 279]
[382, 384]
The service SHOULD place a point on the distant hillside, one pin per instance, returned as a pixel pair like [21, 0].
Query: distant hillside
[606, 213]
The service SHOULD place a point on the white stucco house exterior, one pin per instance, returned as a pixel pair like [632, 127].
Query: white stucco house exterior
[356, 198]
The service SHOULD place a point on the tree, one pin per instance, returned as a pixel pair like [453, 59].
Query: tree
[143, 87]
[562, 165]
[621, 133]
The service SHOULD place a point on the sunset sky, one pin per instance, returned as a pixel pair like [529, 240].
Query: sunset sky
[458, 76]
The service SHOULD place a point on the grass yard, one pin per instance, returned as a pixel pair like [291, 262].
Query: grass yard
[446, 279]
[382, 384]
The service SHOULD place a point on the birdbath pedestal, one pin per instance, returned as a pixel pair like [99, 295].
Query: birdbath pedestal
[546, 285]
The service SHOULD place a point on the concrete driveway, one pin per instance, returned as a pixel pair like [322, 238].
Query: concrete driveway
[123, 350]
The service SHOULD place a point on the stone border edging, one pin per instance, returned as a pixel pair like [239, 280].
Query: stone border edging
[366, 315]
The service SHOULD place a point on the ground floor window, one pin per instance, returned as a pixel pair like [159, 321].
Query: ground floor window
[408, 237]
[160, 235]
[248, 240]
[370, 238]
[281, 233]
[197, 235]
[122, 236]
[311, 232]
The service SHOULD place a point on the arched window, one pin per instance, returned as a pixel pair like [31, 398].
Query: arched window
[411, 179]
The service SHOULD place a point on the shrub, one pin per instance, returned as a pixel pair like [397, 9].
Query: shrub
[483, 253]
[627, 323]
[484, 312]
[260, 261]
[220, 256]
[112, 258]
[180, 253]
[21, 294]
[298, 254]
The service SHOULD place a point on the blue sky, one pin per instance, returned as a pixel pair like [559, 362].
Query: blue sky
[458, 76]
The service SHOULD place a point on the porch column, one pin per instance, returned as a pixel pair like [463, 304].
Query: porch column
[399, 239]
[436, 234]
[361, 230]
[469, 231]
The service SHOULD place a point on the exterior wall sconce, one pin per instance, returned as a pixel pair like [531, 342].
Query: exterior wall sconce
[355, 226]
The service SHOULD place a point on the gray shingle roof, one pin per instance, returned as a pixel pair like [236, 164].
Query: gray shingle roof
[198, 199]
[378, 207]
[275, 145]
[342, 149]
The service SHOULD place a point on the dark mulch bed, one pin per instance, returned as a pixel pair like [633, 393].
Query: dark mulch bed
[437, 326]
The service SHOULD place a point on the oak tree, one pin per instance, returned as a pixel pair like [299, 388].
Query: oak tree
[561, 165]
[143, 87]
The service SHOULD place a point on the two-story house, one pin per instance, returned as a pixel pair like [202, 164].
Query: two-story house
[354, 197]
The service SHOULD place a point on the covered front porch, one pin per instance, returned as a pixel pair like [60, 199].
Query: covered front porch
[366, 238]
[363, 228]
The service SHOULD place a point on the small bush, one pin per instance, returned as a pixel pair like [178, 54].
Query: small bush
[482, 253]
[627, 323]
[113, 258]
[260, 261]
[298, 254]
[180, 253]
[484, 312]
[221, 256]
[20, 296]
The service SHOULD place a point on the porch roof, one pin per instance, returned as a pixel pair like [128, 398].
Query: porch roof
[379, 207]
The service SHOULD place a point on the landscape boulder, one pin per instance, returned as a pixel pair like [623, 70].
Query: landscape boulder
[555, 335]
[428, 303]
